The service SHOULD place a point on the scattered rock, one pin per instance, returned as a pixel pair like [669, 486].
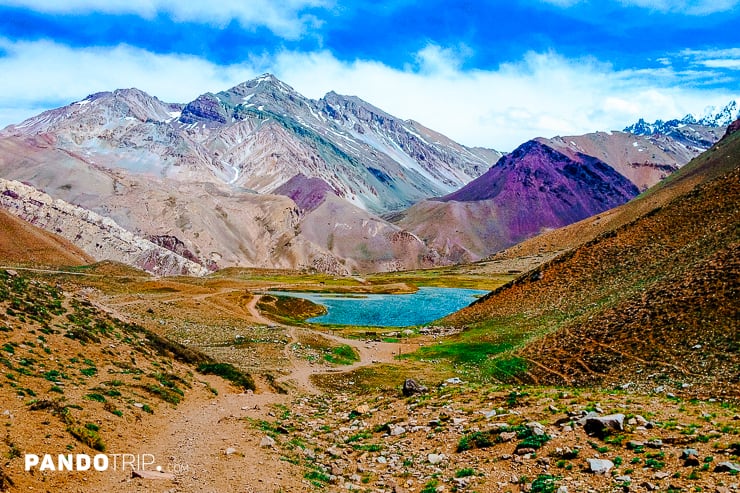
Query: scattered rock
[397, 430]
[151, 474]
[230, 451]
[727, 467]
[690, 457]
[267, 442]
[435, 459]
[600, 466]
[412, 387]
[634, 444]
[603, 425]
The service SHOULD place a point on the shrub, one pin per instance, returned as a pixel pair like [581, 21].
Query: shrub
[228, 372]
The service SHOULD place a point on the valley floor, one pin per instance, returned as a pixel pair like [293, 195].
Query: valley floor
[326, 419]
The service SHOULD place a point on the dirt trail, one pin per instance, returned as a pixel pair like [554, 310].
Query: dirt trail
[300, 374]
[197, 435]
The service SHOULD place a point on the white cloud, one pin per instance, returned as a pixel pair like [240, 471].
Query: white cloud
[283, 17]
[542, 95]
[687, 7]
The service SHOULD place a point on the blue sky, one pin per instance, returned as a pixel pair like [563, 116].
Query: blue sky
[485, 73]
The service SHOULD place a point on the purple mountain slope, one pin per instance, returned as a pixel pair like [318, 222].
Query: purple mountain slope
[543, 184]
[532, 189]
[307, 193]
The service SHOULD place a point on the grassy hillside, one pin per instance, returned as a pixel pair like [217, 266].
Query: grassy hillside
[650, 303]
[76, 379]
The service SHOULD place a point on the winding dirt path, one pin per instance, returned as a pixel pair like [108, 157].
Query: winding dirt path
[208, 442]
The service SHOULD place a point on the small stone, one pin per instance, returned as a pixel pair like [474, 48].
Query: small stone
[435, 459]
[267, 442]
[412, 387]
[603, 425]
[230, 451]
[633, 444]
[649, 486]
[151, 475]
[655, 443]
[507, 436]
[562, 489]
[600, 466]
[334, 452]
[397, 430]
[661, 475]
[381, 460]
[454, 381]
[623, 479]
[727, 467]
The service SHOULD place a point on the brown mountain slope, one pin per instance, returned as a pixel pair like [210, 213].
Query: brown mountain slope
[652, 302]
[21, 242]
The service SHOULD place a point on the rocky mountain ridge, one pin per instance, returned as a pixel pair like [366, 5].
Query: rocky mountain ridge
[98, 236]
[259, 134]
[698, 131]
[260, 176]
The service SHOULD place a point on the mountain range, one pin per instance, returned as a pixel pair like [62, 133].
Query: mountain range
[261, 176]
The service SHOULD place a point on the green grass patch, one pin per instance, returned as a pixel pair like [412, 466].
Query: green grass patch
[342, 355]
[476, 439]
[473, 353]
[228, 372]
[89, 437]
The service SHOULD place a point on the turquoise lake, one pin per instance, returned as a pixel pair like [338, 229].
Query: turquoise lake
[389, 310]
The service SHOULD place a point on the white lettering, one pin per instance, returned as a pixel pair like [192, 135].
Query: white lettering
[145, 462]
[65, 462]
[83, 462]
[47, 463]
[127, 459]
[31, 460]
[100, 462]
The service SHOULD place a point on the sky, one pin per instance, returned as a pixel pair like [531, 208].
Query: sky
[485, 73]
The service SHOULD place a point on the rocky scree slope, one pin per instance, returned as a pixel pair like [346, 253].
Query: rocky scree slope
[99, 237]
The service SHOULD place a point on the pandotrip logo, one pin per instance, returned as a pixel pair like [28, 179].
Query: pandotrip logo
[99, 463]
